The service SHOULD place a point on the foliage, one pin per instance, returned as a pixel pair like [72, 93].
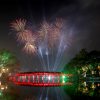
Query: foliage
[85, 66]
[84, 58]
[7, 58]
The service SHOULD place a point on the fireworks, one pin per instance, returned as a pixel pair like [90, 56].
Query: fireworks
[57, 29]
[19, 25]
[49, 36]
[44, 31]
[55, 33]
[24, 35]
[29, 48]
[59, 23]
[48, 33]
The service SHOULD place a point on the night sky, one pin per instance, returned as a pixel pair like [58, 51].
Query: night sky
[82, 18]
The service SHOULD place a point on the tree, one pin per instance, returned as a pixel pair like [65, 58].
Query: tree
[8, 64]
[8, 59]
[80, 59]
[86, 66]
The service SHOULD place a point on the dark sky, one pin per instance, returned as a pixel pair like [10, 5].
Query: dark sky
[83, 17]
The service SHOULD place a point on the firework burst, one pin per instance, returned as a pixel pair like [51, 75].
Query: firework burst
[19, 25]
[25, 36]
[29, 48]
[43, 41]
[55, 32]
[57, 27]
[44, 31]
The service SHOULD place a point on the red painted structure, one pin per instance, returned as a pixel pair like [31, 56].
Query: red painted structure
[39, 79]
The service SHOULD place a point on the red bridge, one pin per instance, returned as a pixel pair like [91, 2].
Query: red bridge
[41, 79]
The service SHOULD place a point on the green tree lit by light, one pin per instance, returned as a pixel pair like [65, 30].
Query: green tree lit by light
[86, 73]
[7, 58]
[0, 93]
